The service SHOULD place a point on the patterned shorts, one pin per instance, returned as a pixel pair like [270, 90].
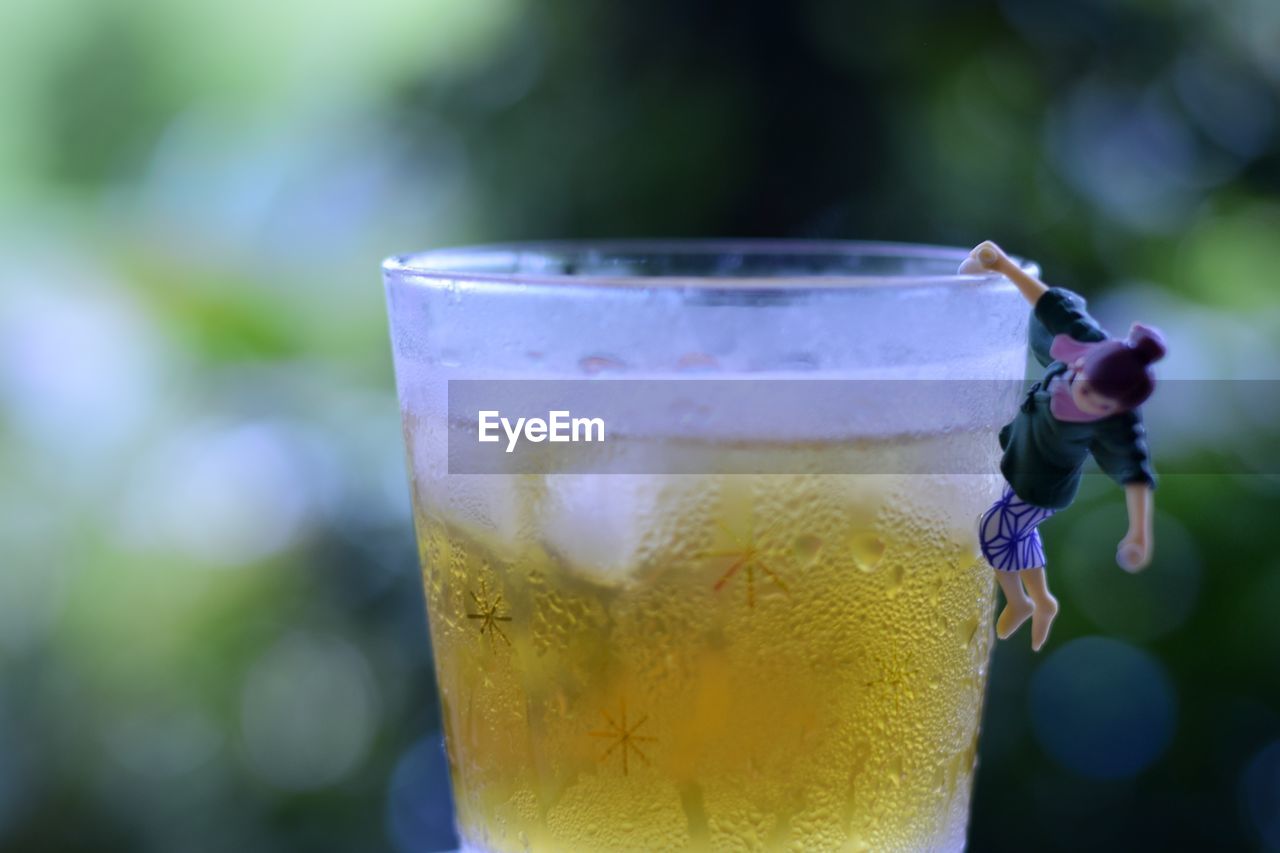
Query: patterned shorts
[1008, 535]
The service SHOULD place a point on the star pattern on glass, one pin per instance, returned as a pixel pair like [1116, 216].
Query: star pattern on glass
[896, 674]
[623, 736]
[745, 556]
[488, 611]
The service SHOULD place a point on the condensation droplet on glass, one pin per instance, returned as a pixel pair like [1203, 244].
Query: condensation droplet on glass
[896, 579]
[691, 361]
[593, 364]
[806, 547]
[868, 550]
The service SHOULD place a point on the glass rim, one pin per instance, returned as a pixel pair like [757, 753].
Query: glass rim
[446, 266]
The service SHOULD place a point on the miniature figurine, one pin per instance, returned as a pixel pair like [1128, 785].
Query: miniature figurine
[1086, 403]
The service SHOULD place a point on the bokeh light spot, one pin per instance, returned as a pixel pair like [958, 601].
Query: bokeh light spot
[1102, 708]
[79, 367]
[163, 744]
[1230, 105]
[1128, 153]
[1141, 606]
[419, 802]
[308, 711]
[1260, 790]
[1231, 257]
[223, 495]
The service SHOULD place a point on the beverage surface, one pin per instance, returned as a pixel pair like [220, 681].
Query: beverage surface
[745, 662]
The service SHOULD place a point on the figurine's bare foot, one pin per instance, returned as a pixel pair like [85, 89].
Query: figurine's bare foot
[1046, 606]
[1042, 620]
[1011, 618]
[1017, 607]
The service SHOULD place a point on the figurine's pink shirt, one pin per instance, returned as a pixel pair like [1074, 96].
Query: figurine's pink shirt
[1061, 405]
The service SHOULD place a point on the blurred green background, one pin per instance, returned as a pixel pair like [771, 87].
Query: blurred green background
[211, 629]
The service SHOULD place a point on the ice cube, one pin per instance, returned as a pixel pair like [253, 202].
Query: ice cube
[950, 503]
[494, 508]
[491, 507]
[604, 525]
[861, 497]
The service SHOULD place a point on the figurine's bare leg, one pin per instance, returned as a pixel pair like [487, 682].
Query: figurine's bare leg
[1017, 607]
[1046, 606]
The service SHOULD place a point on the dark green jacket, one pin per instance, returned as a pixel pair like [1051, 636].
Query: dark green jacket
[1043, 456]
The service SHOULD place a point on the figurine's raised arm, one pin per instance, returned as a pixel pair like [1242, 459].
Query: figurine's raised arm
[988, 257]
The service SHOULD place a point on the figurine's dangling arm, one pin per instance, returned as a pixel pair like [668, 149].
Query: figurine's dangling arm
[1120, 449]
[1135, 550]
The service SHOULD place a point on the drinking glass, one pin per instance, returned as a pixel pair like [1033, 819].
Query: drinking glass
[633, 653]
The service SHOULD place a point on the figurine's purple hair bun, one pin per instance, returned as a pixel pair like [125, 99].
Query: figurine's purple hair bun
[1121, 369]
[1147, 343]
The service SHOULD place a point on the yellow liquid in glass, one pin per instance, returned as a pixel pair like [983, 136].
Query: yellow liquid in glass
[774, 662]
